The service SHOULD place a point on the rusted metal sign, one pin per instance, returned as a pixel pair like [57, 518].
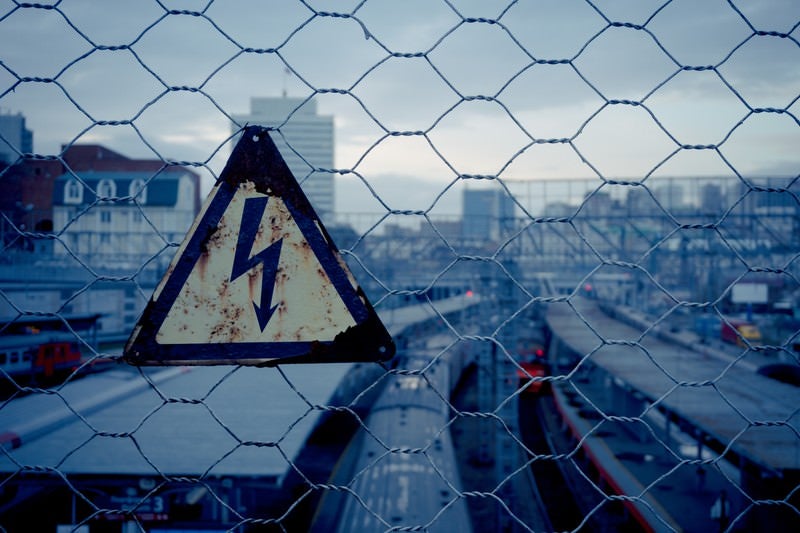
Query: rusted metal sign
[257, 280]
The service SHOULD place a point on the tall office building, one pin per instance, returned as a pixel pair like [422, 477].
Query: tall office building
[14, 137]
[306, 144]
[487, 213]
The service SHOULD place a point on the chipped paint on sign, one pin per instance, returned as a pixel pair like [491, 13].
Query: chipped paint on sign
[257, 280]
[307, 307]
[182, 248]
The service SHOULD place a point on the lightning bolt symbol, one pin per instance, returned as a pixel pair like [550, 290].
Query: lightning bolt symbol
[242, 261]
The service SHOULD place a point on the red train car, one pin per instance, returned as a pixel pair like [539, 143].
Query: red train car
[39, 354]
[534, 365]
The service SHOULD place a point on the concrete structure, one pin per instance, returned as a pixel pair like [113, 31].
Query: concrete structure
[486, 213]
[43, 288]
[15, 138]
[305, 140]
[694, 399]
[26, 185]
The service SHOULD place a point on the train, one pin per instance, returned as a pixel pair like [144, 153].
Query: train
[532, 367]
[628, 506]
[37, 349]
[737, 331]
[401, 470]
[406, 473]
[39, 355]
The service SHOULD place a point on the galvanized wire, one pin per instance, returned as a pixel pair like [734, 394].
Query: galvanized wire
[594, 234]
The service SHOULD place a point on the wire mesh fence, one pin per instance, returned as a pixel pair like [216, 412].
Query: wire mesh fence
[579, 220]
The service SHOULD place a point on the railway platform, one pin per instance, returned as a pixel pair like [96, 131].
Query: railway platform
[684, 425]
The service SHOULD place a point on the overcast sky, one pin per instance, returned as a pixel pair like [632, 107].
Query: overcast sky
[529, 100]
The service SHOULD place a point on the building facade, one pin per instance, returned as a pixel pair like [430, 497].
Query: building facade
[25, 183]
[488, 213]
[91, 207]
[15, 138]
[133, 215]
[115, 223]
[305, 139]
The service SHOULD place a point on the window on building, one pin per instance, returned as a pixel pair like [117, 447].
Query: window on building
[138, 191]
[106, 189]
[105, 216]
[73, 192]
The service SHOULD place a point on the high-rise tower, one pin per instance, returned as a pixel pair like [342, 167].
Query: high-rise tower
[14, 137]
[305, 142]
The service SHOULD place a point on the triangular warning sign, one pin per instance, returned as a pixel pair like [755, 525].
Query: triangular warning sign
[257, 280]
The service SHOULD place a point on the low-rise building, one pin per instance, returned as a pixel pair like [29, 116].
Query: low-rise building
[122, 216]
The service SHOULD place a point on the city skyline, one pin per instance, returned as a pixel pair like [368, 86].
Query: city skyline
[674, 194]
[528, 77]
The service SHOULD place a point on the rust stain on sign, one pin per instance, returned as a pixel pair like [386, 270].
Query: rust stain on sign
[307, 306]
[258, 279]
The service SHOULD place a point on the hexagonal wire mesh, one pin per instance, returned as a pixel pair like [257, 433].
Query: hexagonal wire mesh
[583, 198]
